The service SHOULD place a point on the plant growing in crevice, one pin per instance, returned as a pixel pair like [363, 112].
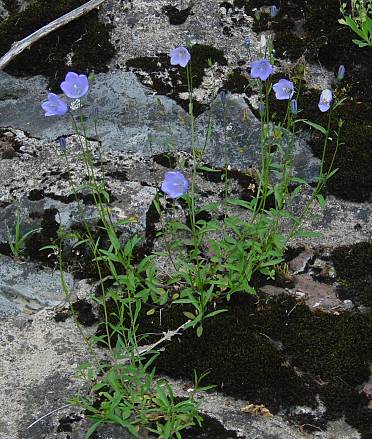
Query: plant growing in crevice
[360, 21]
[17, 240]
[215, 252]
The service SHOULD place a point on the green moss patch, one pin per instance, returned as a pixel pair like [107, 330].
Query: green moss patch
[353, 267]
[278, 353]
[86, 40]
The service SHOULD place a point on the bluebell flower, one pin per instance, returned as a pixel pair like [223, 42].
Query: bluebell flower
[262, 108]
[223, 95]
[62, 142]
[273, 11]
[75, 86]
[325, 100]
[284, 89]
[261, 69]
[175, 184]
[54, 106]
[179, 56]
[294, 109]
[247, 42]
[341, 72]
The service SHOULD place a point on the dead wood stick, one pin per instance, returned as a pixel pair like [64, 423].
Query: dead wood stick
[21, 45]
[144, 349]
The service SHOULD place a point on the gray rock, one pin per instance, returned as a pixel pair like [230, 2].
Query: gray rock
[130, 115]
[3, 12]
[25, 287]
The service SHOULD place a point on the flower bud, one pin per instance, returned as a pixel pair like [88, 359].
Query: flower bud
[273, 11]
[62, 142]
[341, 73]
[294, 109]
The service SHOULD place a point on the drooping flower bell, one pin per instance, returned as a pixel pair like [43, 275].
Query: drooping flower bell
[284, 89]
[294, 107]
[179, 56]
[62, 142]
[341, 73]
[274, 11]
[175, 184]
[54, 106]
[261, 69]
[75, 86]
[247, 42]
[325, 100]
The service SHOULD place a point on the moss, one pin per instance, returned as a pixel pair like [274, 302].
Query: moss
[154, 66]
[236, 82]
[86, 37]
[324, 40]
[210, 428]
[353, 180]
[11, 5]
[355, 278]
[278, 353]
[166, 159]
[176, 16]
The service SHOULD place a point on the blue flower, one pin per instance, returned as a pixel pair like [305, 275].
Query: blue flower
[325, 100]
[223, 95]
[341, 72]
[247, 42]
[284, 89]
[54, 106]
[75, 86]
[179, 56]
[175, 184]
[294, 109]
[62, 142]
[261, 69]
[273, 11]
[262, 108]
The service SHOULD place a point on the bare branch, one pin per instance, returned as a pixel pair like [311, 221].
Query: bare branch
[166, 337]
[21, 45]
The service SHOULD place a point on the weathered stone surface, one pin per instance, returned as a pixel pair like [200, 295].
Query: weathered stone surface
[26, 287]
[39, 357]
[3, 12]
[130, 115]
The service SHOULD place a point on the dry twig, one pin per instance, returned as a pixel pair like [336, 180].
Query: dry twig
[26, 42]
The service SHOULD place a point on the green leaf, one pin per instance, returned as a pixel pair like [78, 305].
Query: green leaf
[92, 429]
[241, 203]
[321, 200]
[215, 313]
[199, 331]
[313, 125]
[360, 43]
[208, 169]
[189, 315]
[308, 234]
